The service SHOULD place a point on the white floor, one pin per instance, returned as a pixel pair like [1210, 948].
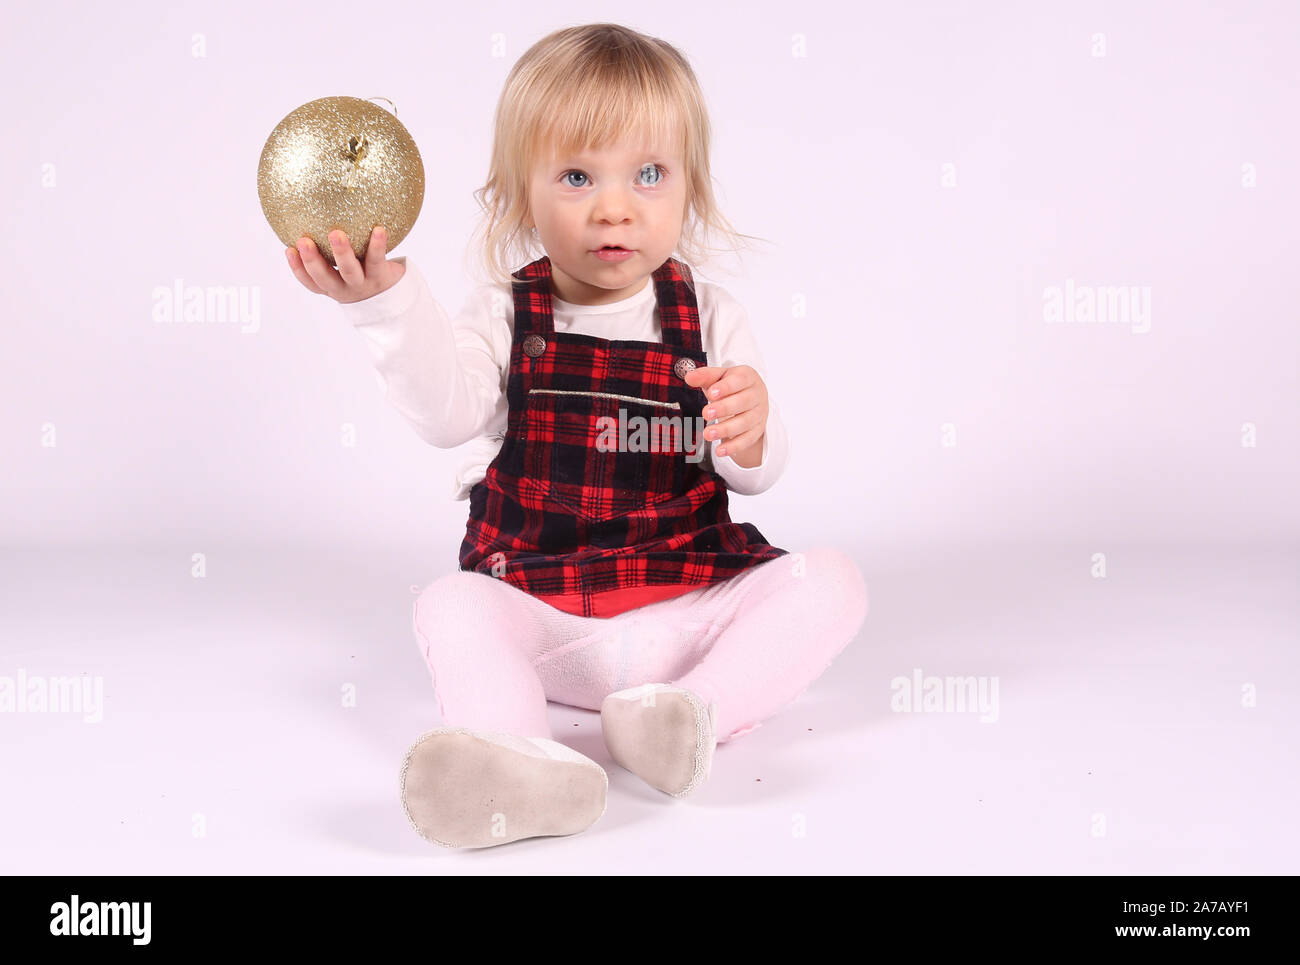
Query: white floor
[1124, 738]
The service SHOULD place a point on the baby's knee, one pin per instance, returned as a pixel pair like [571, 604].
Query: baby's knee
[451, 604]
[837, 580]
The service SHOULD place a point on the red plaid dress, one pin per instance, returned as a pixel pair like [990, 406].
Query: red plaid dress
[566, 513]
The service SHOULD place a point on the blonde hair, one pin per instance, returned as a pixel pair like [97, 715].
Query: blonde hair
[583, 88]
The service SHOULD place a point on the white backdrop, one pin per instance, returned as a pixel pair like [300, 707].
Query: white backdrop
[924, 177]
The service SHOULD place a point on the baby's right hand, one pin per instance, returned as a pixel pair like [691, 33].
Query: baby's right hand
[349, 282]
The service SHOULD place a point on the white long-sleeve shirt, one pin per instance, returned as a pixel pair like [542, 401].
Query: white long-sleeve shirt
[447, 376]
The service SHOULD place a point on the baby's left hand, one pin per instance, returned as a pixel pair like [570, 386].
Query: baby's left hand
[738, 396]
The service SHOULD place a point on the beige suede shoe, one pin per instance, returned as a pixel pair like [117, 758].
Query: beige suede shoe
[464, 788]
[663, 734]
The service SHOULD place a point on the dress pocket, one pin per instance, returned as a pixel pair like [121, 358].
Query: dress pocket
[575, 456]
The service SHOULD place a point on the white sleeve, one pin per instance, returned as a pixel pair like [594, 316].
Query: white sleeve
[444, 376]
[729, 341]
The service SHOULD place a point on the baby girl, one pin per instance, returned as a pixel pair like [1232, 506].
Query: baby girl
[600, 567]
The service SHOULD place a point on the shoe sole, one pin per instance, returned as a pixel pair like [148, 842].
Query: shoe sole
[461, 790]
[675, 710]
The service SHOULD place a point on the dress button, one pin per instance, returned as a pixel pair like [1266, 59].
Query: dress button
[683, 367]
[534, 345]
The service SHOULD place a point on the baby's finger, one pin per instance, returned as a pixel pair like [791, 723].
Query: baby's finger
[733, 404]
[319, 269]
[733, 380]
[346, 258]
[299, 272]
[702, 376]
[728, 429]
[741, 442]
[377, 250]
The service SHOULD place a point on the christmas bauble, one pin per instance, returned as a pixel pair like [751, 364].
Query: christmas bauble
[340, 162]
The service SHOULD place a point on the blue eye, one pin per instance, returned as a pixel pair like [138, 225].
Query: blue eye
[567, 182]
[656, 168]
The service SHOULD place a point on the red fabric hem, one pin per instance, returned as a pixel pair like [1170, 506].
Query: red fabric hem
[608, 603]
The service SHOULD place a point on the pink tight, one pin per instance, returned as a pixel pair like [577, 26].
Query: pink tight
[753, 643]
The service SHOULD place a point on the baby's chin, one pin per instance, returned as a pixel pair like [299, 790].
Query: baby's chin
[600, 284]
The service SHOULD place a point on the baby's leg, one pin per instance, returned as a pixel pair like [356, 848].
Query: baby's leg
[476, 633]
[783, 621]
[491, 773]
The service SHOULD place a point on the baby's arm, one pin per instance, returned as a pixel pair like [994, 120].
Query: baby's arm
[728, 338]
[445, 377]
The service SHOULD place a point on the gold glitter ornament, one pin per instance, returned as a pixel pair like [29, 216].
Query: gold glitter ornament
[340, 162]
